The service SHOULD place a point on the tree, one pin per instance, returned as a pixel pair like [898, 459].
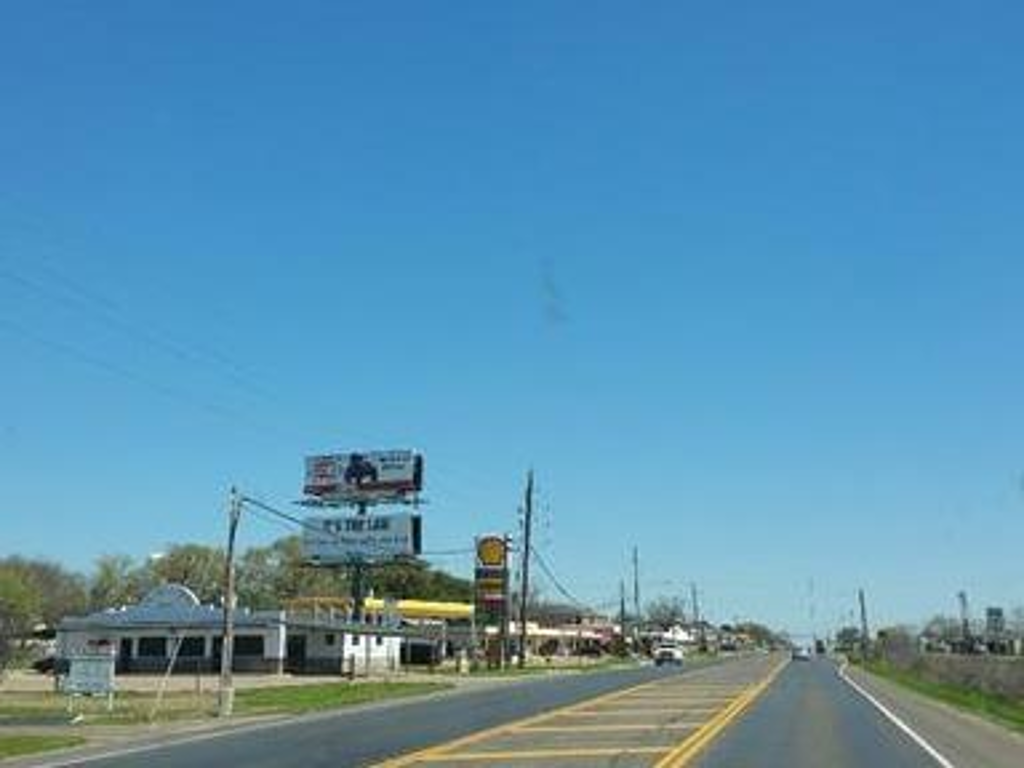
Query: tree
[848, 639]
[196, 566]
[413, 578]
[897, 645]
[943, 630]
[19, 610]
[57, 592]
[666, 612]
[118, 581]
[760, 634]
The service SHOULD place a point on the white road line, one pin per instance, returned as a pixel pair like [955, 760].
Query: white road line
[895, 720]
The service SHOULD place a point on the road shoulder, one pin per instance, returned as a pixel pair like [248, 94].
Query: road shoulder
[961, 737]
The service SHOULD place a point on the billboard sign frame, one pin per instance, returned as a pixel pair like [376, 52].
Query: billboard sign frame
[349, 539]
[363, 476]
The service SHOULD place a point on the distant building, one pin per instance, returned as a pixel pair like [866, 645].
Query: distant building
[995, 622]
[170, 627]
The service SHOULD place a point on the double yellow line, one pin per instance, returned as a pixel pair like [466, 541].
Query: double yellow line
[703, 736]
[677, 757]
[435, 753]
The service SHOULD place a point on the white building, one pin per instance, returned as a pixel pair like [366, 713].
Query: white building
[170, 627]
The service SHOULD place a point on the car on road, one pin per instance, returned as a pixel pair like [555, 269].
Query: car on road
[667, 653]
[801, 653]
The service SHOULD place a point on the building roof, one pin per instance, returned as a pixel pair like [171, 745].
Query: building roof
[167, 605]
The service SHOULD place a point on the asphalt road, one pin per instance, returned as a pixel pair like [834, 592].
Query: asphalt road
[751, 711]
[371, 734]
[810, 718]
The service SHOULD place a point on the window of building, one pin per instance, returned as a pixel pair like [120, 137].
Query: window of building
[152, 646]
[380, 640]
[249, 645]
[330, 638]
[356, 639]
[192, 647]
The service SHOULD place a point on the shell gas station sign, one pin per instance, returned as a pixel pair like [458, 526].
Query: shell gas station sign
[491, 578]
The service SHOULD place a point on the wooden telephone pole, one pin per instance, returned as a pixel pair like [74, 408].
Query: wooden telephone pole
[525, 585]
[226, 695]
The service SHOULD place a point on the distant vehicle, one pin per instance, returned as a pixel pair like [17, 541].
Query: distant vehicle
[45, 666]
[667, 653]
[801, 653]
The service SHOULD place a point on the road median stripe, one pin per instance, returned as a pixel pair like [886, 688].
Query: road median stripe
[645, 714]
[542, 754]
[605, 727]
[698, 741]
[445, 749]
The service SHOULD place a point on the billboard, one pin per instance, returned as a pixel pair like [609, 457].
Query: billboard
[341, 540]
[368, 476]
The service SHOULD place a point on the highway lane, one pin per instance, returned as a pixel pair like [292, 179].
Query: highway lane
[653, 725]
[373, 733]
[810, 718]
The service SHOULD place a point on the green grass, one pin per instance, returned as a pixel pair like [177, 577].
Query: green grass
[998, 708]
[131, 708]
[14, 745]
[295, 699]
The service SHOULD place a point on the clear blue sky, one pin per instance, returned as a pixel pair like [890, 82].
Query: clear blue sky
[741, 281]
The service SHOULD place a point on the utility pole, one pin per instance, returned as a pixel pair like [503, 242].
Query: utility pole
[965, 621]
[525, 584]
[703, 640]
[226, 698]
[864, 637]
[622, 612]
[636, 596]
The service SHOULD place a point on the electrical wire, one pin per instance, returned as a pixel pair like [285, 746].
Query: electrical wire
[542, 564]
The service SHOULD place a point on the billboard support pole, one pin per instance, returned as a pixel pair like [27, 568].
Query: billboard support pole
[359, 577]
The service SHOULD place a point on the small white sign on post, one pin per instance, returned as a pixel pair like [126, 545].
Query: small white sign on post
[90, 675]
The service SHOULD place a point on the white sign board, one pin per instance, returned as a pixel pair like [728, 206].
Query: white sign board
[338, 540]
[91, 674]
[363, 476]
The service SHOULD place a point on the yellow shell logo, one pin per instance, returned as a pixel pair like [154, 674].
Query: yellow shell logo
[491, 552]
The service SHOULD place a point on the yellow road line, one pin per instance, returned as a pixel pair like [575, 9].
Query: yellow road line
[431, 754]
[638, 712]
[694, 685]
[688, 695]
[682, 701]
[694, 744]
[606, 727]
[654, 710]
[542, 754]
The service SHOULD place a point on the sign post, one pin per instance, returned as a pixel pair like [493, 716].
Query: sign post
[491, 596]
[90, 674]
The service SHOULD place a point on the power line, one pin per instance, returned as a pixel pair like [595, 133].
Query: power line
[543, 565]
[113, 368]
[105, 311]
